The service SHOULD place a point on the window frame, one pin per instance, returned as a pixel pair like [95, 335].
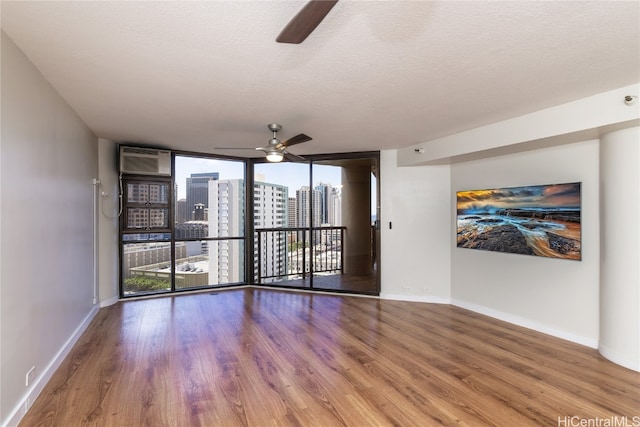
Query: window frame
[127, 205]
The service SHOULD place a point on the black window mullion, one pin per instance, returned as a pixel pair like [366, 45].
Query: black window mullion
[312, 252]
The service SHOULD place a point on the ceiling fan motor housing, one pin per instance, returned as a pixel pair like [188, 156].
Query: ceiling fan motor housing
[274, 127]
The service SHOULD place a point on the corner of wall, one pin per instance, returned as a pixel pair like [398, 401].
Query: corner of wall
[527, 323]
[109, 209]
[41, 381]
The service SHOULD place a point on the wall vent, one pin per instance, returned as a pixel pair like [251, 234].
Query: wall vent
[145, 161]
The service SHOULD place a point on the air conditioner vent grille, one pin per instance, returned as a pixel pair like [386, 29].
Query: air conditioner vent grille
[138, 150]
[140, 164]
[145, 161]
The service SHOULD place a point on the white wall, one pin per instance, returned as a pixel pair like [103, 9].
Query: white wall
[556, 296]
[620, 249]
[558, 144]
[415, 253]
[49, 158]
[109, 208]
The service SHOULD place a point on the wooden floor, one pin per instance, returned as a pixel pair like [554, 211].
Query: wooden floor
[264, 357]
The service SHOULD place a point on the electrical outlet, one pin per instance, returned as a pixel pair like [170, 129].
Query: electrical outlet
[31, 373]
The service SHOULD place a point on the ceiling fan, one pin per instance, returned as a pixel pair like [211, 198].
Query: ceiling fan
[305, 21]
[276, 150]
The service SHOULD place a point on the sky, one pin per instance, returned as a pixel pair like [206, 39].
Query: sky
[293, 175]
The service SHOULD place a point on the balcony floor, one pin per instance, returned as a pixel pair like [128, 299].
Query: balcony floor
[364, 284]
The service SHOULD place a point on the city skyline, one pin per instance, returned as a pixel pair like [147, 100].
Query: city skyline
[213, 226]
[292, 175]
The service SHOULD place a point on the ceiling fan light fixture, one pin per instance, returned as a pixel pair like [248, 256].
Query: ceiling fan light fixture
[276, 151]
[274, 156]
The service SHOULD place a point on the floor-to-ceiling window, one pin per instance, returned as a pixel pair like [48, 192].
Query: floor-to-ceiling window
[184, 229]
[306, 224]
[209, 222]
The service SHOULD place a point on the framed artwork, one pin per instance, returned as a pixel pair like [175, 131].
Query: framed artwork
[541, 220]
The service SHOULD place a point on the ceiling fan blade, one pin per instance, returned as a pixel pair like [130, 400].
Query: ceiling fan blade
[305, 21]
[298, 139]
[293, 157]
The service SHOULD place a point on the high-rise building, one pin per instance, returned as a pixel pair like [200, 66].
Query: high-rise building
[182, 213]
[226, 212]
[271, 203]
[308, 202]
[325, 193]
[329, 204]
[226, 219]
[197, 190]
[335, 207]
[291, 212]
[271, 210]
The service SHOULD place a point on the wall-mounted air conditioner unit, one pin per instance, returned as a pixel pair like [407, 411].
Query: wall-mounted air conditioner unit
[145, 161]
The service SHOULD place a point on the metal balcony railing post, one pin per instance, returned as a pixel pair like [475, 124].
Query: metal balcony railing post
[259, 256]
[283, 261]
[304, 254]
[342, 251]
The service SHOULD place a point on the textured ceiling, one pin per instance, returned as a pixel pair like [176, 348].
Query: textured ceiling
[373, 75]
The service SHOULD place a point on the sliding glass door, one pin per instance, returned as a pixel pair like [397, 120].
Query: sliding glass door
[281, 244]
[344, 226]
[315, 223]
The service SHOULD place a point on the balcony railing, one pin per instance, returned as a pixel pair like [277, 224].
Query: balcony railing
[294, 253]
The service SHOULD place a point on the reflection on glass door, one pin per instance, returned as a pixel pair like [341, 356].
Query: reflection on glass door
[209, 222]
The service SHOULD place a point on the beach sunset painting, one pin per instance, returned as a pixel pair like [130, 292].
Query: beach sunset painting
[541, 220]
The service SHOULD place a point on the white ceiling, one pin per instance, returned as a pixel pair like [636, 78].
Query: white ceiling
[373, 75]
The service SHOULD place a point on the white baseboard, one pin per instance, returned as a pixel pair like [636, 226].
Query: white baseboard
[526, 323]
[108, 302]
[516, 320]
[38, 385]
[416, 298]
[620, 359]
